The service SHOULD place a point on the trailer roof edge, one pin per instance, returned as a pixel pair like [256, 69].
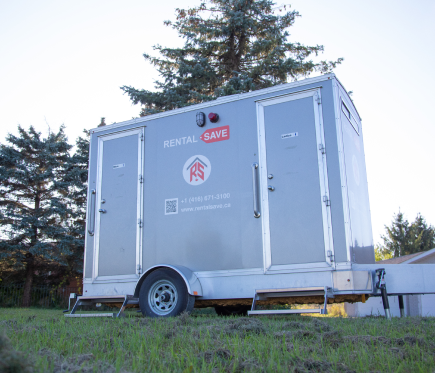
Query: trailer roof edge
[220, 100]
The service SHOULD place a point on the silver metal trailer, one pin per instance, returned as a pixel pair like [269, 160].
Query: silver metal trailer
[256, 198]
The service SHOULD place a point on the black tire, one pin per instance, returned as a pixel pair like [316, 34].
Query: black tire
[232, 310]
[164, 294]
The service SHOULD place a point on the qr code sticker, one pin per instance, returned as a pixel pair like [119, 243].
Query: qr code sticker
[171, 206]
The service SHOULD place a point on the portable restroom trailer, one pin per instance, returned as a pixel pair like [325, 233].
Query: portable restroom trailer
[253, 198]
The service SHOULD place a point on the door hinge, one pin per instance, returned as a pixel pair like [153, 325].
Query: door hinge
[140, 179]
[318, 99]
[139, 268]
[141, 137]
[140, 223]
[326, 200]
[322, 148]
[330, 255]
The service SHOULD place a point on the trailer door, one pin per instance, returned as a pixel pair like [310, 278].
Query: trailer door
[118, 205]
[293, 183]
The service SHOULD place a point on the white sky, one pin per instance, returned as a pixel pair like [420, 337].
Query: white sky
[64, 61]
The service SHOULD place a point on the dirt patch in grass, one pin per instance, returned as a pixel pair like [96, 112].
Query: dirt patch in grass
[7, 324]
[312, 323]
[173, 332]
[139, 321]
[83, 363]
[330, 335]
[383, 341]
[335, 340]
[213, 355]
[284, 334]
[410, 340]
[302, 334]
[33, 328]
[299, 365]
[241, 326]
[244, 325]
[223, 360]
[246, 365]
[294, 325]
[298, 334]
[320, 326]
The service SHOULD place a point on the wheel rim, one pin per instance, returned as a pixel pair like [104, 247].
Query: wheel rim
[162, 297]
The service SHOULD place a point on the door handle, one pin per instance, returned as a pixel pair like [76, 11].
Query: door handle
[91, 215]
[102, 211]
[271, 188]
[255, 189]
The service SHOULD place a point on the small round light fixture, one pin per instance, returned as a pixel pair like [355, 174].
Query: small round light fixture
[200, 119]
[213, 117]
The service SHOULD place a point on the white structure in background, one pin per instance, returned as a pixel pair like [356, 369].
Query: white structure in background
[415, 305]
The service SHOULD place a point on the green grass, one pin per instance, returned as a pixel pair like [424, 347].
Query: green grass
[45, 341]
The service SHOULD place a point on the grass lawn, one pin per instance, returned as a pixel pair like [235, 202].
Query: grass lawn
[36, 340]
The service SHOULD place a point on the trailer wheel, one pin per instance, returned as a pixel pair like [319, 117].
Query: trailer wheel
[232, 310]
[164, 294]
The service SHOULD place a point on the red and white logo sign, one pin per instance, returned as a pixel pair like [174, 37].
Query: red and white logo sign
[216, 134]
[196, 170]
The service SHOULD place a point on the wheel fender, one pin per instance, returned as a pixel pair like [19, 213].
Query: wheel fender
[192, 282]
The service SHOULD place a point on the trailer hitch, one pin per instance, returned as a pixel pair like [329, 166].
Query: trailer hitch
[382, 286]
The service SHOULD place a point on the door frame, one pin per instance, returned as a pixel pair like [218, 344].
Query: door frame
[329, 264]
[139, 205]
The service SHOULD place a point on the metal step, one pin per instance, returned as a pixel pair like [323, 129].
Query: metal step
[283, 312]
[91, 300]
[108, 298]
[92, 315]
[264, 294]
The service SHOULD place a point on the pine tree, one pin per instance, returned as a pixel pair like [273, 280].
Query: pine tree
[35, 207]
[397, 240]
[423, 236]
[403, 238]
[77, 177]
[231, 46]
[382, 253]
